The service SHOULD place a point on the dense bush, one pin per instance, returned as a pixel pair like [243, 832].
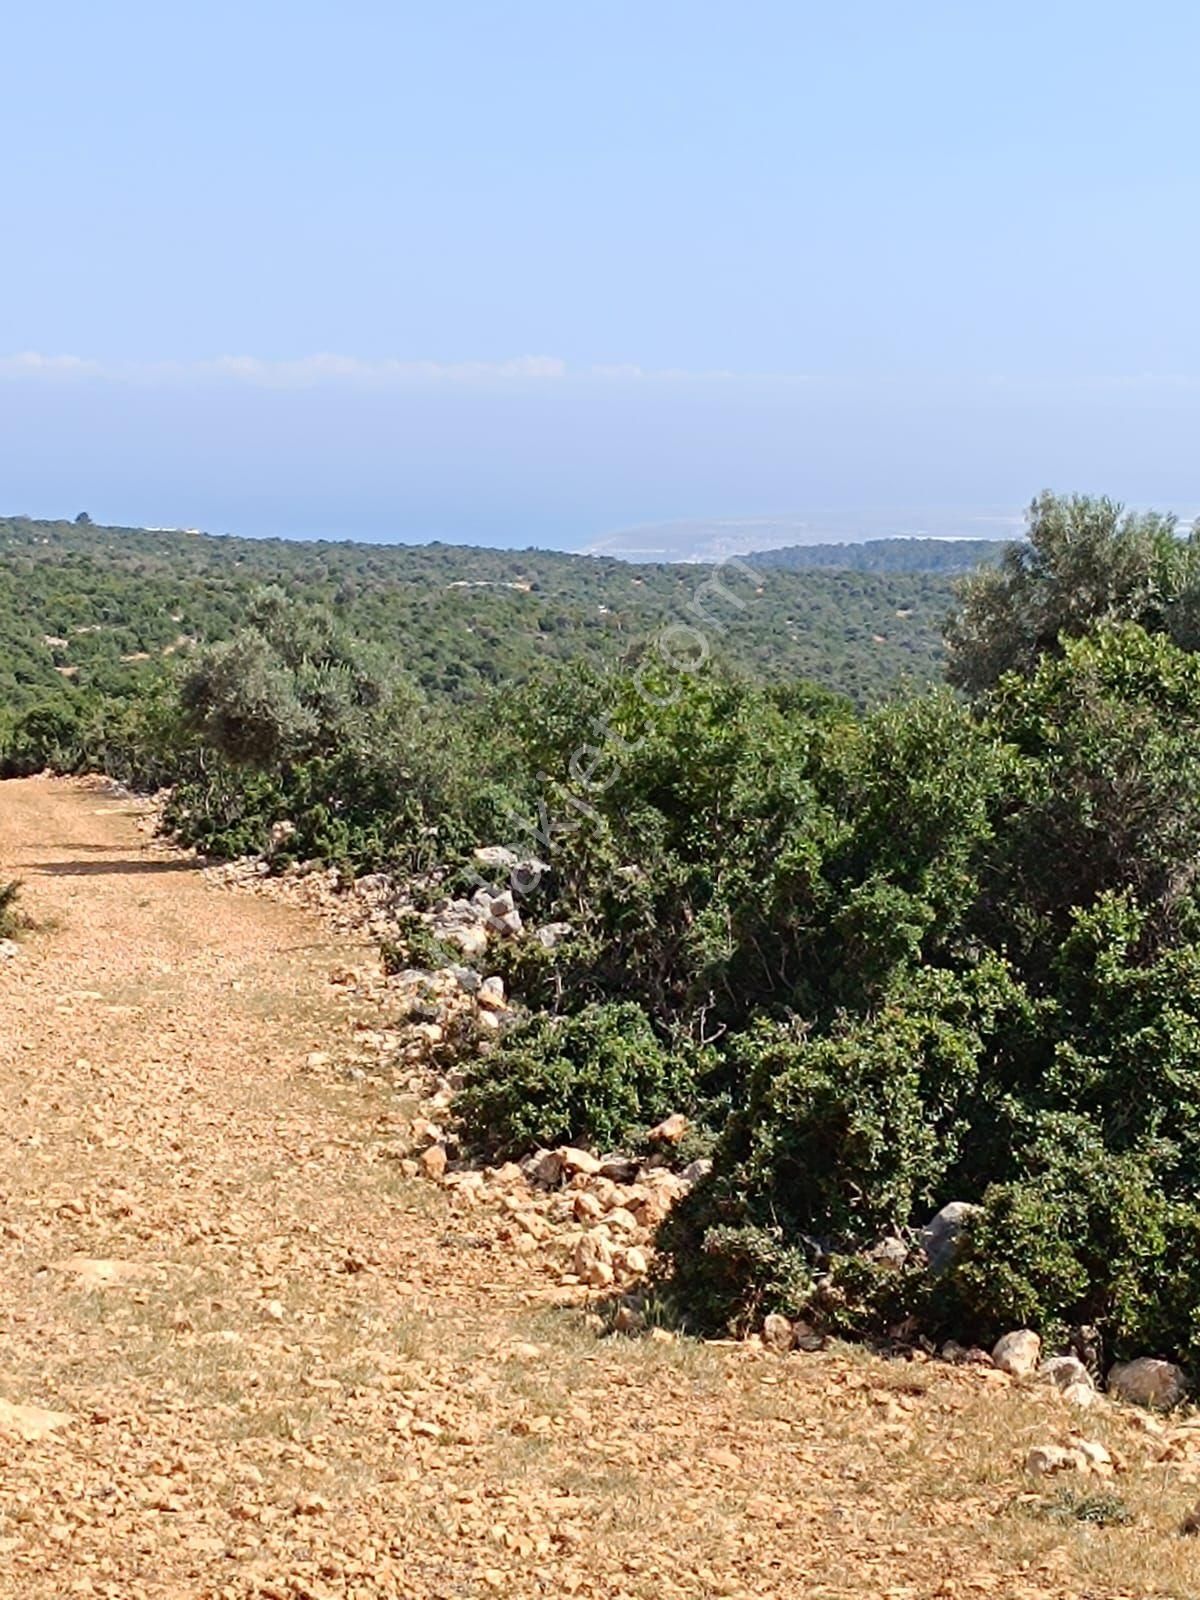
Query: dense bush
[595, 1077]
[289, 686]
[1033, 1043]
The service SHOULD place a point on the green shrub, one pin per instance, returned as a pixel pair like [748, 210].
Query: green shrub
[1084, 1237]
[415, 945]
[837, 1141]
[595, 1078]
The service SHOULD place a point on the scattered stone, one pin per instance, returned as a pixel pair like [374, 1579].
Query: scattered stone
[433, 1162]
[551, 934]
[619, 1169]
[586, 1207]
[1096, 1456]
[424, 1132]
[889, 1254]
[1148, 1381]
[1077, 1455]
[545, 1168]
[503, 916]
[496, 856]
[491, 994]
[670, 1130]
[1047, 1460]
[1064, 1372]
[92, 1272]
[628, 1320]
[310, 1505]
[622, 1220]
[574, 1161]
[592, 1250]
[470, 939]
[940, 1236]
[527, 874]
[1083, 1395]
[778, 1333]
[1017, 1353]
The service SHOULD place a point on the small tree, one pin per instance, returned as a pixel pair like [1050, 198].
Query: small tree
[1086, 561]
[288, 686]
[241, 699]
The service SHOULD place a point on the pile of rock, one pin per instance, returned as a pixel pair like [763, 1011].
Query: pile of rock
[1149, 1382]
[492, 910]
[469, 924]
[377, 904]
[589, 1220]
[432, 1018]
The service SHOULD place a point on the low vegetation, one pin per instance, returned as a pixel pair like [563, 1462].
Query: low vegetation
[93, 618]
[946, 948]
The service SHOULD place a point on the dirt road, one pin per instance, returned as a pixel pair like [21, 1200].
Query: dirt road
[241, 1355]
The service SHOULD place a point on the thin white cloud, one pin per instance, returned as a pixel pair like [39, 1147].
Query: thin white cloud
[305, 372]
[32, 364]
[330, 370]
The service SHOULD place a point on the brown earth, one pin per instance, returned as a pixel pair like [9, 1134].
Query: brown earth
[242, 1355]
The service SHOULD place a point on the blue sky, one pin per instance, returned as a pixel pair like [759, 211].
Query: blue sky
[538, 271]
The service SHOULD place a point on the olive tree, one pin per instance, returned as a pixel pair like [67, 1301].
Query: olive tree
[1086, 561]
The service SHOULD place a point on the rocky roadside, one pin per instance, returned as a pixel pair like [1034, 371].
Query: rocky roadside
[587, 1221]
[246, 1356]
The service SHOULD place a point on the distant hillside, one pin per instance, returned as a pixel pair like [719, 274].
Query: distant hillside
[945, 556]
[85, 607]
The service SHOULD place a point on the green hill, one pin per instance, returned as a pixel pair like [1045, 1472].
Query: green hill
[84, 606]
[944, 556]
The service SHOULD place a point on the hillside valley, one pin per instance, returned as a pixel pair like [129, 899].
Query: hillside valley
[83, 606]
